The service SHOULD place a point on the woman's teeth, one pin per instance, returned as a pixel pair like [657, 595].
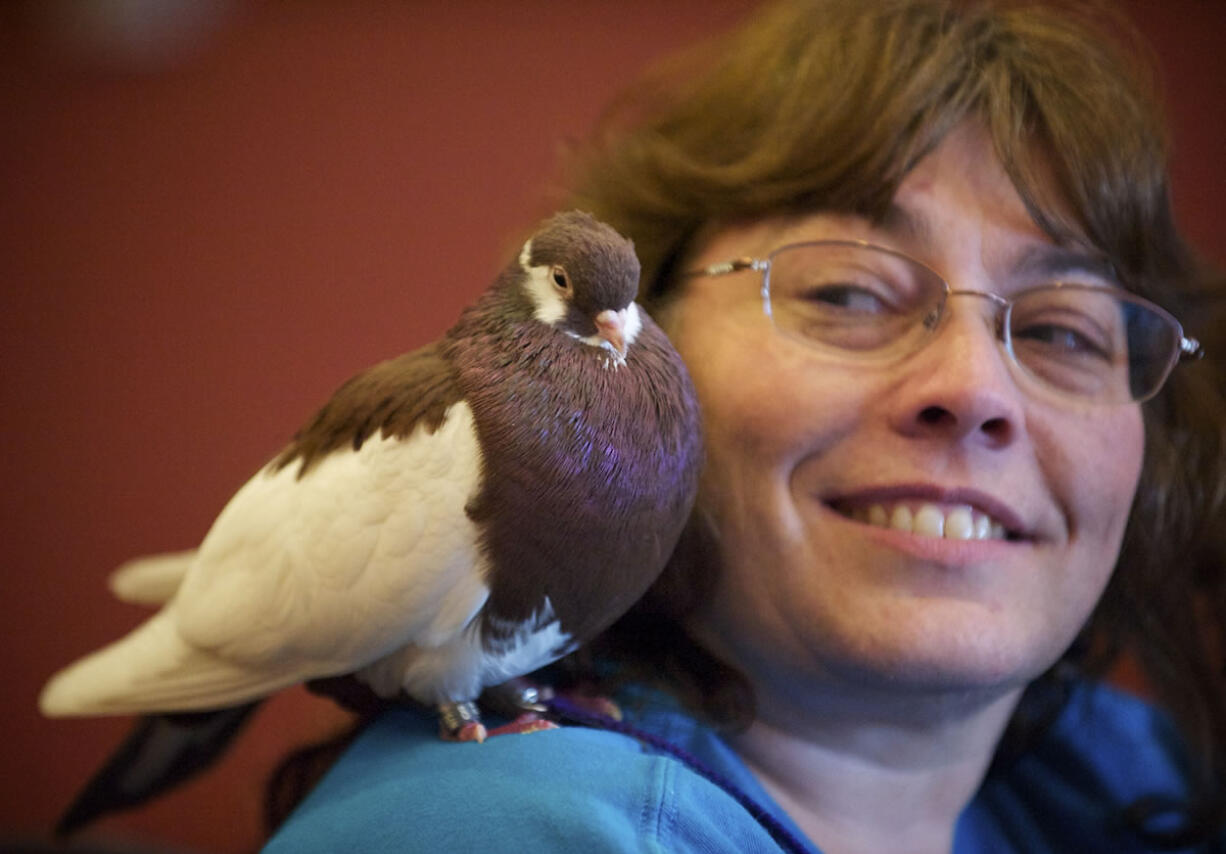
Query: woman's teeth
[958, 522]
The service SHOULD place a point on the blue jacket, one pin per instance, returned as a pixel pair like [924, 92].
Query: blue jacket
[400, 789]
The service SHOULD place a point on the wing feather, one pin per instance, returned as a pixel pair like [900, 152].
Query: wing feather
[152, 579]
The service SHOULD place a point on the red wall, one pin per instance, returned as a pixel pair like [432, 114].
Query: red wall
[198, 246]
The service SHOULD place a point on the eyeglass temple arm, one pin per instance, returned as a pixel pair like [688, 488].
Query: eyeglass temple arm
[733, 266]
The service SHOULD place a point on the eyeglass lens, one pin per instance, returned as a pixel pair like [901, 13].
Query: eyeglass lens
[1086, 340]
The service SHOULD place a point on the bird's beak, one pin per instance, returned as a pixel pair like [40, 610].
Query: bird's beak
[611, 326]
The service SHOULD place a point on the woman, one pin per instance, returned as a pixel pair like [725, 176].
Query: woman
[913, 253]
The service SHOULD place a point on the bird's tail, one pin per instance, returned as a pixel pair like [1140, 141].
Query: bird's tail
[151, 580]
[159, 754]
[153, 669]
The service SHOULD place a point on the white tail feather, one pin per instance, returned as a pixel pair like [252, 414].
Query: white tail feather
[153, 669]
[151, 580]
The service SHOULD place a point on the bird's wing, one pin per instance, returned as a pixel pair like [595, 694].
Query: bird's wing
[151, 668]
[370, 550]
[308, 572]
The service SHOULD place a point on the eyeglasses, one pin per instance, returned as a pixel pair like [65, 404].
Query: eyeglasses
[1086, 340]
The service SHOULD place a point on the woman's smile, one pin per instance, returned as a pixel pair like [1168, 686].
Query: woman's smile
[933, 511]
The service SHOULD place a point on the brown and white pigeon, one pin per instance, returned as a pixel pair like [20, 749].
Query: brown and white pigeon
[452, 518]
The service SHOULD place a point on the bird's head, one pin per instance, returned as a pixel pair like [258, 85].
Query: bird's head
[581, 278]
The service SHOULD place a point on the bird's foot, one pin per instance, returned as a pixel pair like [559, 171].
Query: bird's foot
[525, 723]
[523, 701]
[516, 697]
[471, 731]
[460, 722]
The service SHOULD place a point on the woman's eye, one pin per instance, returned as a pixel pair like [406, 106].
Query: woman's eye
[850, 298]
[1064, 340]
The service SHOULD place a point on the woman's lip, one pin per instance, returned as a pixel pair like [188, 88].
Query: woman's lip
[922, 493]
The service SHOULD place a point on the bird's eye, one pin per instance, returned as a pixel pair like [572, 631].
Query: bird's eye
[560, 279]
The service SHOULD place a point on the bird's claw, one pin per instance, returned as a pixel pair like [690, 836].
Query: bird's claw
[524, 724]
[471, 731]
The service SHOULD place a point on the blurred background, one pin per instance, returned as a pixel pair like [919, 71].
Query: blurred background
[213, 212]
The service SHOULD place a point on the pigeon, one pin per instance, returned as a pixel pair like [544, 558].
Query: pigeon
[450, 520]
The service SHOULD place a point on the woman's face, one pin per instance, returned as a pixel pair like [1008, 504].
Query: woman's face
[798, 440]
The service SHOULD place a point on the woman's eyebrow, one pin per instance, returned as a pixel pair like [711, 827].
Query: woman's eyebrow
[1054, 262]
[901, 223]
[1040, 260]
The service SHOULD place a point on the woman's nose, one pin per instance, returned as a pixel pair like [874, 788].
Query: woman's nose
[959, 386]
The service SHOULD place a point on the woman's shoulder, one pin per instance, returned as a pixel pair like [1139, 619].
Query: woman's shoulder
[1107, 751]
[400, 788]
